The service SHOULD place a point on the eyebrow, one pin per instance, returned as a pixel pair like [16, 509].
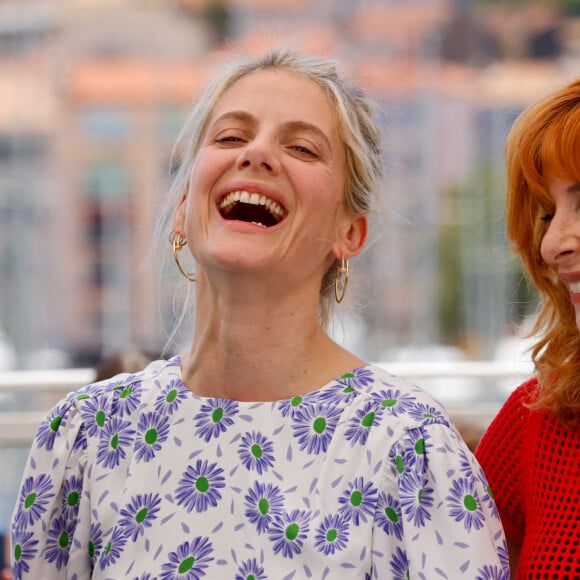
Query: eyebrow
[235, 115]
[288, 125]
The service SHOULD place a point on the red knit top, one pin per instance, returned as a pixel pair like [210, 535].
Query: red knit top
[533, 467]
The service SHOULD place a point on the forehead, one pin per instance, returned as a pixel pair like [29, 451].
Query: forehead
[281, 94]
[562, 187]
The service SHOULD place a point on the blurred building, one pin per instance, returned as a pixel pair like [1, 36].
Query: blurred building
[94, 97]
[93, 93]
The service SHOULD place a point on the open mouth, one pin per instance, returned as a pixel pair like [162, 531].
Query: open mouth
[252, 208]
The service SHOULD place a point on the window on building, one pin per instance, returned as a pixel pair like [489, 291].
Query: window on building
[107, 180]
[111, 123]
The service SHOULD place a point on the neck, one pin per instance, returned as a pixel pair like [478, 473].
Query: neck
[252, 346]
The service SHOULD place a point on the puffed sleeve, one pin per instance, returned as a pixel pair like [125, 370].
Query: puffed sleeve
[50, 524]
[448, 525]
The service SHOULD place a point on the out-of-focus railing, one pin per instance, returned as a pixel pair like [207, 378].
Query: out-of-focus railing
[471, 390]
[26, 396]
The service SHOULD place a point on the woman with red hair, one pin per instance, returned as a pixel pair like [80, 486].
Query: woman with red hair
[530, 450]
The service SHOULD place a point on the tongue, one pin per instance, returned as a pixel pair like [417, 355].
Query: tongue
[247, 212]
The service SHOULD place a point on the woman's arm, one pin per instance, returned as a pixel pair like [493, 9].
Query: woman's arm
[450, 525]
[50, 518]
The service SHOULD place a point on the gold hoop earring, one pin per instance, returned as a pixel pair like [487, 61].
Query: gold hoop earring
[177, 240]
[340, 288]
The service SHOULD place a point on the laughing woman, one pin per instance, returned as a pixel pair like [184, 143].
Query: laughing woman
[265, 450]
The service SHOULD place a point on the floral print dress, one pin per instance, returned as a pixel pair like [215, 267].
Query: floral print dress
[139, 478]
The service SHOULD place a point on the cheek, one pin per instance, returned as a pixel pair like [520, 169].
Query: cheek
[326, 190]
[545, 238]
[205, 172]
[543, 249]
[198, 176]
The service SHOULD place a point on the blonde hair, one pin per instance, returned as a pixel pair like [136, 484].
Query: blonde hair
[544, 143]
[356, 128]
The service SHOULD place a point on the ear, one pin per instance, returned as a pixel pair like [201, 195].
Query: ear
[351, 240]
[179, 216]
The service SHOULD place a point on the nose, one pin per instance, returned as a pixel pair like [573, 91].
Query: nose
[258, 155]
[561, 240]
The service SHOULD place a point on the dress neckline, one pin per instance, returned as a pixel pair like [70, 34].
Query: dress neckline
[340, 379]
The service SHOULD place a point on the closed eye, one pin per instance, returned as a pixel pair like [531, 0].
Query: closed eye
[547, 217]
[303, 151]
[229, 139]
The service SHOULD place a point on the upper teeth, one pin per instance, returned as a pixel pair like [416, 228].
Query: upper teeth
[254, 199]
[575, 287]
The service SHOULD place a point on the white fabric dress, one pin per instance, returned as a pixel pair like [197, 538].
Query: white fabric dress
[139, 478]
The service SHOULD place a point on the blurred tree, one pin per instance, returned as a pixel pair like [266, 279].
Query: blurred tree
[571, 6]
[524, 296]
[450, 292]
[465, 38]
[217, 16]
[481, 288]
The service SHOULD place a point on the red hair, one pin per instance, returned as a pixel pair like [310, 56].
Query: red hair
[544, 143]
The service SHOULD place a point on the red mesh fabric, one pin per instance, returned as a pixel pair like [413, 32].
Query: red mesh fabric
[533, 467]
